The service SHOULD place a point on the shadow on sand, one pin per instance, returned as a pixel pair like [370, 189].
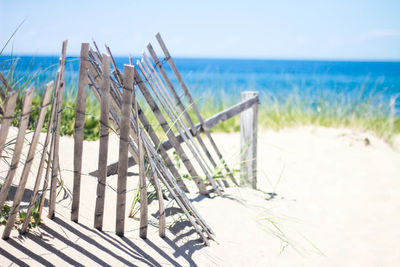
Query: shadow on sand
[122, 249]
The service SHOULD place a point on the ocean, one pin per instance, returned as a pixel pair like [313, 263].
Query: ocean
[228, 77]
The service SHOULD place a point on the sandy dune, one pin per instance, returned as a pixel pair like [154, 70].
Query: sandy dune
[337, 203]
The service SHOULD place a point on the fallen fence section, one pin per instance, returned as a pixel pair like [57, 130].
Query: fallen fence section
[117, 93]
[210, 123]
[136, 139]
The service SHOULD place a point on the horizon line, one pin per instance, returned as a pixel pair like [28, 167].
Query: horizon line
[394, 60]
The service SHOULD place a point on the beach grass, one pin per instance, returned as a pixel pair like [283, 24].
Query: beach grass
[370, 113]
[355, 109]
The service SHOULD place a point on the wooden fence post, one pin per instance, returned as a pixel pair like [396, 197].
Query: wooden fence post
[123, 148]
[103, 150]
[79, 129]
[60, 86]
[248, 142]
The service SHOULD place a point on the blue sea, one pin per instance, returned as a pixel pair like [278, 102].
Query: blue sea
[228, 77]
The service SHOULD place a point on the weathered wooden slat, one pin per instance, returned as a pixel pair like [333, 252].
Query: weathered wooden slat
[115, 110]
[166, 177]
[103, 149]
[35, 190]
[79, 130]
[114, 169]
[178, 100]
[179, 125]
[168, 104]
[9, 111]
[157, 144]
[177, 194]
[19, 142]
[186, 114]
[248, 142]
[123, 148]
[170, 135]
[28, 163]
[210, 122]
[116, 102]
[161, 206]
[194, 107]
[142, 175]
[60, 86]
[50, 135]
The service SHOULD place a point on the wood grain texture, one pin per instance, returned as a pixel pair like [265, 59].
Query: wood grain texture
[79, 129]
[248, 143]
[142, 176]
[60, 86]
[123, 148]
[103, 146]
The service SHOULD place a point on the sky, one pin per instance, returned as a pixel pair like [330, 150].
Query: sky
[334, 30]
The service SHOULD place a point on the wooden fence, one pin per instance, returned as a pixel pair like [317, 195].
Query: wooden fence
[117, 91]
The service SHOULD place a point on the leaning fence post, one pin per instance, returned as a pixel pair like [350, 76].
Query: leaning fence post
[248, 142]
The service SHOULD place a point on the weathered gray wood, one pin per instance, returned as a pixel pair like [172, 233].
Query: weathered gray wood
[178, 102]
[248, 142]
[79, 130]
[103, 150]
[9, 111]
[113, 169]
[23, 124]
[50, 135]
[161, 207]
[179, 125]
[210, 122]
[230, 112]
[123, 148]
[157, 144]
[60, 86]
[166, 177]
[28, 163]
[168, 104]
[178, 99]
[177, 194]
[142, 175]
[35, 190]
[116, 97]
[165, 126]
[194, 107]
[185, 113]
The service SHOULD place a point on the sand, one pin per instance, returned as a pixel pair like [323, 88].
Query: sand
[337, 203]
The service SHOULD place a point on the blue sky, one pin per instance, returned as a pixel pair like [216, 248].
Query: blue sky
[367, 30]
